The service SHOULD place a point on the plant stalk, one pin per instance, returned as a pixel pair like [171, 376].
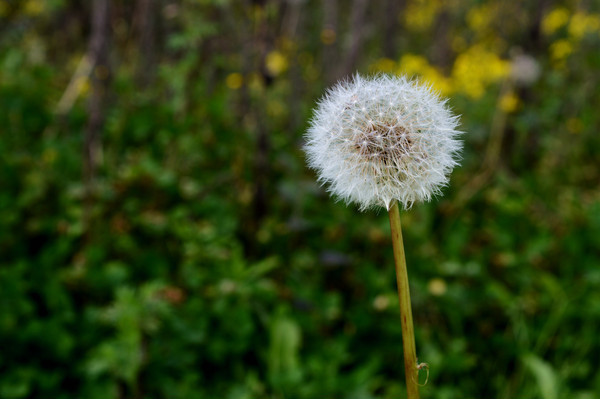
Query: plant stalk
[408, 332]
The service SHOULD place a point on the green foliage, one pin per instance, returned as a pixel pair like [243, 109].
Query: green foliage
[170, 276]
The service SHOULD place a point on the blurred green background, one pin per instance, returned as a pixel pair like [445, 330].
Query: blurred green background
[161, 236]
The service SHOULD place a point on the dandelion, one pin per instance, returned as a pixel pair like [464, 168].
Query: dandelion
[375, 141]
[385, 141]
[524, 69]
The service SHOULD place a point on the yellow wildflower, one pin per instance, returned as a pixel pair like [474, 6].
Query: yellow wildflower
[33, 7]
[509, 102]
[234, 80]
[480, 18]
[412, 64]
[437, 286]
[561, 49]
[328, 36]
[420, 14]
[383, 65]
[476, 68]
[276, 63]
[582, 24]
[555, 20]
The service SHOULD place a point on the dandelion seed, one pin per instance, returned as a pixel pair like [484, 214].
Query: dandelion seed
[400, 142]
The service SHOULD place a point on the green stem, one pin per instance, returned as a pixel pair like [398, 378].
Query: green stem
[408, 332]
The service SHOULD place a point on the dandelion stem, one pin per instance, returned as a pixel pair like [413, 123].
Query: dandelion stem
[408, 333]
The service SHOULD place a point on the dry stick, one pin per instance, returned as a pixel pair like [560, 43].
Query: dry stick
[76, 86]
[408, 333]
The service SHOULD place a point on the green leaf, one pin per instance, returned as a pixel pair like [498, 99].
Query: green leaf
[544, 375]
[283, 360]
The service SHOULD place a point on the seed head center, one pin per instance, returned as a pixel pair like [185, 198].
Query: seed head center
[382, 142]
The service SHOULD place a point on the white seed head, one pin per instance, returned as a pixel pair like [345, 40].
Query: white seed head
[380, 139]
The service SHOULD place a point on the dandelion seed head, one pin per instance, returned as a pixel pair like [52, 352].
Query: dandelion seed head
[376, 140]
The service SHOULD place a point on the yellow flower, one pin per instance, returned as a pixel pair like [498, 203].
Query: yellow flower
[234, 80]
[416, 65]
[33, 7]
[276, 63]
[582, 24]
[437, 286]
[555, 20]
[480, 18]
[383, 65]
[420, 14]
[328, 36]
[477, 68]
[509, 102]
[561, 49]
